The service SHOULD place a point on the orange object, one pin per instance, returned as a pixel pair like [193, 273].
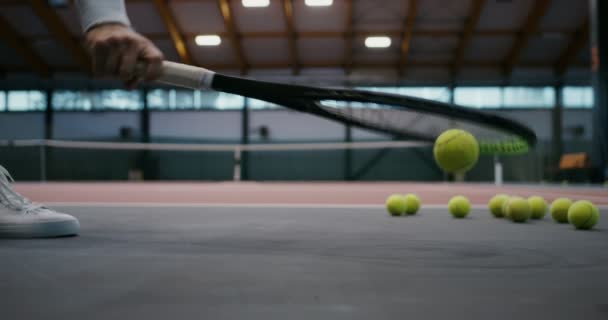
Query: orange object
[574, 161]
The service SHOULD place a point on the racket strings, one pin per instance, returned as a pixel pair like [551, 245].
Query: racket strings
[412, 123]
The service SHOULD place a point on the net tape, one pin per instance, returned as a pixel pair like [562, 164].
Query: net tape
[68, 144]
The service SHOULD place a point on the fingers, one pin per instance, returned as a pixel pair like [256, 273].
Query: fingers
[116, 50]
[153, 59]
[113, 60]
[138, 66]
[126, 69]
[99, 53]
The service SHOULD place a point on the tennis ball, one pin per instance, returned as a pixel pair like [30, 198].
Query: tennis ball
[412, 202]
[518, 209]
[583, 215]
[504, 208]
[496, 203]
[456, 151]
[559, 209]
[459, 206]
[396, 205]
[538, 207]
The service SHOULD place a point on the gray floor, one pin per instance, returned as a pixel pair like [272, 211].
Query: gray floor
[235, 263]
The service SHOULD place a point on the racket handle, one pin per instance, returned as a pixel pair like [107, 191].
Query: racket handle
[183, 75]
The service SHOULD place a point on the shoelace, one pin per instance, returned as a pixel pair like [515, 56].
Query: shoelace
[12, 199]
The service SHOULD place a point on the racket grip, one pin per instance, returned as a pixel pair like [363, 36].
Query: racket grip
[183, 75]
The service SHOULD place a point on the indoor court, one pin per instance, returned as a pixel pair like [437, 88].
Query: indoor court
[203, 195]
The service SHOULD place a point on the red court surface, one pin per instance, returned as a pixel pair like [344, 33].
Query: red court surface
[305, 193]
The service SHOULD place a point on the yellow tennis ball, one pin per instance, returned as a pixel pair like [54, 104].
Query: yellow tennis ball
[456, 151]
[583, 215]
[459, 206]
[412, 203]
[559, 209]
[495, 205]
[538, 207]
[518, 209]
[504, 208]
[396, 205]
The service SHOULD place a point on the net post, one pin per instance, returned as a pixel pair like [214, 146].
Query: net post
[237, 165]
[42, 151]
[497, 171]
[348, 153]
[459, 177]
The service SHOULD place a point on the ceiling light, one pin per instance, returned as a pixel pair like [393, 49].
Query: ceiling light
[319, 3]
[378, 42]
[255, 3]
[208, 40]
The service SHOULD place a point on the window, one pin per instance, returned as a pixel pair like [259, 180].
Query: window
[2, 101]
[220, 100]
[162, 99]
[529, 97]
[72, 100]
[577, 97]
[171, 99]
[118, 100]
[260, 104]
[32, 100]
[478, 97]
[97, 100]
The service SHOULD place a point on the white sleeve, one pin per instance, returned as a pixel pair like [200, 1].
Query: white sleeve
[94, 12]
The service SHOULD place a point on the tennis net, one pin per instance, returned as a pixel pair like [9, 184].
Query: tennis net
[94, 160]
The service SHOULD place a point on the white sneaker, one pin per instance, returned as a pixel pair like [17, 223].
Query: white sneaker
[21, 218]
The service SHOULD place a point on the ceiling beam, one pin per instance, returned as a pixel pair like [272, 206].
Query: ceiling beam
[530, 26]
[466, 36]
[23, 49]
[291, 36]
[233, 35]
[175, 33]
[348, 36]
[578, 41]
[61, 33]
[407, 33]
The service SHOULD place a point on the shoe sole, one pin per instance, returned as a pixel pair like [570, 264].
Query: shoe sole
[41, 230]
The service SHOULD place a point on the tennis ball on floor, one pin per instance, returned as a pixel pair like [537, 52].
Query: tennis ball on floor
[496, 203]
[518, 209]
[583, 215]
[456, 151]
[412, 204]
[538, 207]
[459, 206]
[396, 205]
[559, 209]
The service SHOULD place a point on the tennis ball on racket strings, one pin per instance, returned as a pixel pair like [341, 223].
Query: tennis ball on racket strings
[518, 209]
[456, 151]
[583, 215]
[559, 209]
[538, 207]
[396, 204]
[495, 205]
[412, 203]
[459, 206]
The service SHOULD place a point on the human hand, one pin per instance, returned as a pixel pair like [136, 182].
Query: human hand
[116, 50]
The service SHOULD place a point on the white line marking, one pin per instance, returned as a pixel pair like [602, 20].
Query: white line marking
[245, 205]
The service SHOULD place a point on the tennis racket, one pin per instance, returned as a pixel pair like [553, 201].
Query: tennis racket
[404, 116]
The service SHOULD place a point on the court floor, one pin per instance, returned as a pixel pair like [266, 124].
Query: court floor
[296, 262]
